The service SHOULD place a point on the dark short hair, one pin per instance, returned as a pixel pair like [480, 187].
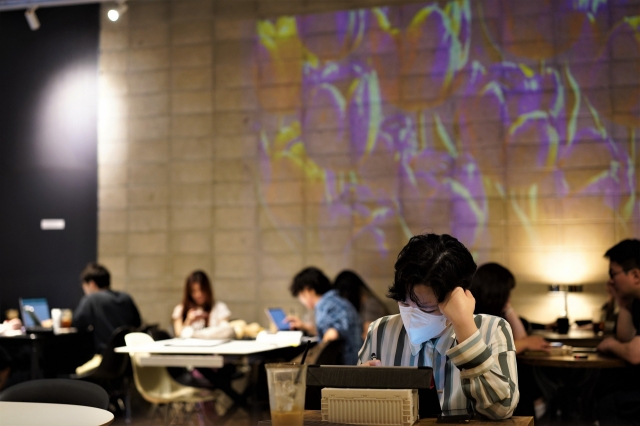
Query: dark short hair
[96, 273]
[438, 261]
[310, 278]
[626, 253]
[491, 286]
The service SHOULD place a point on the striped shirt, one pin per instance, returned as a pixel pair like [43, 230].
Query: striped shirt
[479, 373]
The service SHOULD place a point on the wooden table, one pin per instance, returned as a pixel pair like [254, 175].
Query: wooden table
[594, 360]
[37, 414]
[581, 338]
[314, 418]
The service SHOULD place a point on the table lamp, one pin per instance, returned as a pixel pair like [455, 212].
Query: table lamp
[563, 321]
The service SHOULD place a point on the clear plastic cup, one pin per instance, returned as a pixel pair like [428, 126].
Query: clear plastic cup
[287, 384]
[56, 318]
[66, 318]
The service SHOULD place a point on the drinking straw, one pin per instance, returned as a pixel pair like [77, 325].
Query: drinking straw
[304, 357]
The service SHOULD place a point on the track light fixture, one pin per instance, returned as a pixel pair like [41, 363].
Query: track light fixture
[32, 18]
[117, 11]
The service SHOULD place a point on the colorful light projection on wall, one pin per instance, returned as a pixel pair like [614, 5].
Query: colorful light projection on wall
[390, 113]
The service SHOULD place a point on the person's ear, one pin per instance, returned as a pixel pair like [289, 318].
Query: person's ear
[635, 276]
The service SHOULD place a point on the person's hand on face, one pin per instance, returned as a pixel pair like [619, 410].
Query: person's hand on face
[458, 306]
[622, 300]
[611, 295]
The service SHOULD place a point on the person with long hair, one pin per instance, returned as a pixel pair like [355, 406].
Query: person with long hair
[351, 287]
[491, 286]
[200, 315]
[199, 308]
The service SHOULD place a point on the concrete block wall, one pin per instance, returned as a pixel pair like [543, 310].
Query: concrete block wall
[183, 90]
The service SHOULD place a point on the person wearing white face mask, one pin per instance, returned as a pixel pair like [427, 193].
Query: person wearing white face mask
[472, 356]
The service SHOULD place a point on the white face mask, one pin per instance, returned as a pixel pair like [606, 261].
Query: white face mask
[420, 325]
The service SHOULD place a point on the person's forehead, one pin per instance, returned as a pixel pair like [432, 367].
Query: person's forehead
[424, 294]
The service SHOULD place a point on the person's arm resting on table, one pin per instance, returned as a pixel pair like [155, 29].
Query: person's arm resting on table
[522, 341]
[629, 351]
[488, 372]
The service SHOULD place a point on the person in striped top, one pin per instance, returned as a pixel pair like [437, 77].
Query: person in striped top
[473, 356]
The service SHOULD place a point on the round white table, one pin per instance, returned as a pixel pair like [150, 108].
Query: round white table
[32, 413]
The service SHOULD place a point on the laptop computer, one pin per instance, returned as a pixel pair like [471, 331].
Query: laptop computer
[33, 312]
[277, 316]
[343, 376]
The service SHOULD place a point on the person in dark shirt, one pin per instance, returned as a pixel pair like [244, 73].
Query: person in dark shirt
[622, 406]
[102, 308]
[624, 285]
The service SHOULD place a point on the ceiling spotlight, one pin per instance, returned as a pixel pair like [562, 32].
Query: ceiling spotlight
[116, 12]
[32, 18]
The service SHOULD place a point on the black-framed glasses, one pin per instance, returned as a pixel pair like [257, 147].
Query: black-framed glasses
[613, 274]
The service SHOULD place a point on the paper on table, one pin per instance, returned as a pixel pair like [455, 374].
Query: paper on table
[196, 342]
[280, 338]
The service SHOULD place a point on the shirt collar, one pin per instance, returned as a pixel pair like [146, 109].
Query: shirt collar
[325, 298]
[442, 343]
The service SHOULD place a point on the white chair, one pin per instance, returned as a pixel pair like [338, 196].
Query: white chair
[156, 385]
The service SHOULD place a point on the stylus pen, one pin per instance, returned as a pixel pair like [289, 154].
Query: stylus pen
[373, 356]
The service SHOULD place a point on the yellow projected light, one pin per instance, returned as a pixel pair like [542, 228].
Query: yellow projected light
[403, 119]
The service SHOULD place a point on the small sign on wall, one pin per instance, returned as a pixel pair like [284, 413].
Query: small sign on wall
[52, 224]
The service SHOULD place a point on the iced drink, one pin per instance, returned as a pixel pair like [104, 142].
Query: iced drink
[287, 384]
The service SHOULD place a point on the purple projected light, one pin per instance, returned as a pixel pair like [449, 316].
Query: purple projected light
[395, 112]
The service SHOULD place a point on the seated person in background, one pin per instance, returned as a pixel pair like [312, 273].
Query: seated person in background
[199, 314]
[491, 287]
[473, 357]
[11, 325]
[351, 287]
[624, 286]
[621, 403]
[335, 317]
[5, 367]
[102, 308]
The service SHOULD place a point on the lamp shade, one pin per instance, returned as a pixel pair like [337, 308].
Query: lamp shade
[577, 288]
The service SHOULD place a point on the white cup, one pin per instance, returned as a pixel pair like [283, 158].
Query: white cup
[56, 315]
